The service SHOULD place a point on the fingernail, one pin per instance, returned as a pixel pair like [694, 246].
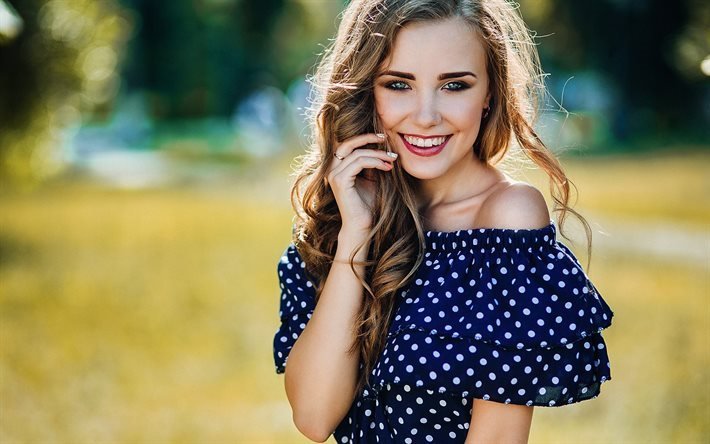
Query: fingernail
[381, 136]
[392, 155]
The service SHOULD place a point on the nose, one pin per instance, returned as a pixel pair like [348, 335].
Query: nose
[427, 113]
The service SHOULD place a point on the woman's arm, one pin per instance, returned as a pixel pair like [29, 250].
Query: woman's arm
[320, 376]
[498, 423]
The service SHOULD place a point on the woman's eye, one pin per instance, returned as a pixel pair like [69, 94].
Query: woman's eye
[397, 85]
[456, 86]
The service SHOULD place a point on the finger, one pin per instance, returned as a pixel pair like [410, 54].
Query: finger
[349, 145]
[354, 168]
[366, 152]
[340, 165]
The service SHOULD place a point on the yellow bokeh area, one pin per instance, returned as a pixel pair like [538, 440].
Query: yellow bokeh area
[142, 316]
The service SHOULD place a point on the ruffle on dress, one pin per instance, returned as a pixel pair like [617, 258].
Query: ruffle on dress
[499, 314]
[296, 305]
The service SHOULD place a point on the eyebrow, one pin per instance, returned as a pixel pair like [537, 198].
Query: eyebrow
[444, 76]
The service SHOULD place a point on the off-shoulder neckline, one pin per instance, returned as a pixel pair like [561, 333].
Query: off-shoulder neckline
[490, 237]
[493, 229]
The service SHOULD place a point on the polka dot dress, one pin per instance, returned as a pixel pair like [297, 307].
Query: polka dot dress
[498, 314]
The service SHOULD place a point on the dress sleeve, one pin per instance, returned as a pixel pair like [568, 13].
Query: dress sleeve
[545, 328]
[296, 305]
[510, 317]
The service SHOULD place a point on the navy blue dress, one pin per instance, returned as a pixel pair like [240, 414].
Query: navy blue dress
[499, 314]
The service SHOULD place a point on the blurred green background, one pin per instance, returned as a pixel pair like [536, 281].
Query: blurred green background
[145, 153]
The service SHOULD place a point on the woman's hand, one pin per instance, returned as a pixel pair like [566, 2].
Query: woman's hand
[355, 194]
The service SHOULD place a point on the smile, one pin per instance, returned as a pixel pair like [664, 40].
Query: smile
[425, 146]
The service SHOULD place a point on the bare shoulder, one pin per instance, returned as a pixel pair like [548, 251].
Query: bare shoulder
[518, 206]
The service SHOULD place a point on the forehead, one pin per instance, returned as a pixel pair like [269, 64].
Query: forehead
[434, 47]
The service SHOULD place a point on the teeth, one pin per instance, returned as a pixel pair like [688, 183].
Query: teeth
[425, 143]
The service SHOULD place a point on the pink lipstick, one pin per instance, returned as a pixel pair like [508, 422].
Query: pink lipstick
[425, 151]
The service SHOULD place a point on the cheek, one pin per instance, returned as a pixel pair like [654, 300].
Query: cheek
[464, 115]
[390, 110]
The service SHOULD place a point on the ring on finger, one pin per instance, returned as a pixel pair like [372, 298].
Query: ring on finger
[338, 157]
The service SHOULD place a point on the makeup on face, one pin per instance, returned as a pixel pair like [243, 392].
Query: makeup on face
[429, 95]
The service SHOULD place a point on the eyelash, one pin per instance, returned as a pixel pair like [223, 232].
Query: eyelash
[391, 85]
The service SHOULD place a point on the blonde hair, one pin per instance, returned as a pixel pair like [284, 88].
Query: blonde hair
[344, 107]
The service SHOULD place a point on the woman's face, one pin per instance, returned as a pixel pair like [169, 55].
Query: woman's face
[430, 94]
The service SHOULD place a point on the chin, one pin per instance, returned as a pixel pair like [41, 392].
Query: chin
[422, 173]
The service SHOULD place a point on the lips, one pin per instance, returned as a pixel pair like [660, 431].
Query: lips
[424, 151]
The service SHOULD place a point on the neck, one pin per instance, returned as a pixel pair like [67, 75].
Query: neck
[467, 180]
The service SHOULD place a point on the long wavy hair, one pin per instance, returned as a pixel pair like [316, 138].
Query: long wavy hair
[343, 106]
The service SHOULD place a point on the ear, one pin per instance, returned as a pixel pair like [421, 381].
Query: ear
[487, 101]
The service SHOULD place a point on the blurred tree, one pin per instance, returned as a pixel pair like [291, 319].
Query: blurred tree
[63, 63]
[694, 44]
[10, 23]
[631, 42]
[193, 59]
[199, 58]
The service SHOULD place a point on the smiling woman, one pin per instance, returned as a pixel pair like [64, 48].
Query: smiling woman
[439, 101]
[425, 296]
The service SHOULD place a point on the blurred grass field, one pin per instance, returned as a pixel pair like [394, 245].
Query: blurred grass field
[148, 316]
